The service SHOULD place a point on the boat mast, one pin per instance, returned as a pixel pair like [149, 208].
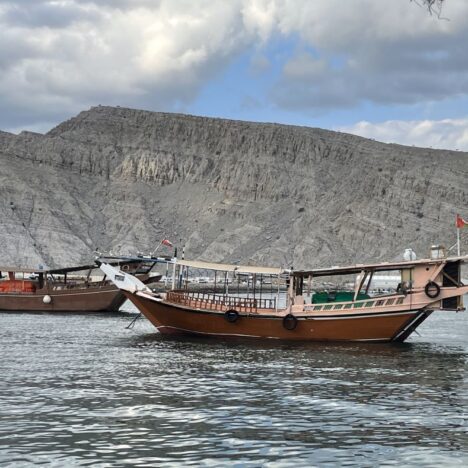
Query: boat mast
[277, 292]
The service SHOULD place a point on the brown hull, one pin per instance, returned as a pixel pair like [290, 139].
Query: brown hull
[176, 319]
[94, 299]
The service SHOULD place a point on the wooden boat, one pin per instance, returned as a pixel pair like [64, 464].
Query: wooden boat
[332, 315]
[66, 289]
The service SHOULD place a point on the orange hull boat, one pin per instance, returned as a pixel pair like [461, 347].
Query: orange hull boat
[426, 286]
[171, 318]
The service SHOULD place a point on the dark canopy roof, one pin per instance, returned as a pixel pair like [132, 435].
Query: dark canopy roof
[62, 271]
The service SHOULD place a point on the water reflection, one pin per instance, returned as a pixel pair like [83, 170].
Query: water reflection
[80, 390]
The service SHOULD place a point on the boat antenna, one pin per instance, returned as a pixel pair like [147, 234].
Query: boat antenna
[158, 246]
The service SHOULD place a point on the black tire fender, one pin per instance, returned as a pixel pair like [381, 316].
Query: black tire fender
[231, 315]
[432, 289]
[289, 322]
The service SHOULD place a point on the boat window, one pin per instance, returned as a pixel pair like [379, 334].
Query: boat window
[318, 308]
[338, 306]
[348, 306]
[390, 301]
[400, 300]
[328, 307]
[356, 305]
[369, 304]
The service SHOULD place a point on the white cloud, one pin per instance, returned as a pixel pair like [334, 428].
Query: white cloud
[305, 67]
[441, 134]
[371, 51]
[58, 57]
[339, 26]
[76, 53]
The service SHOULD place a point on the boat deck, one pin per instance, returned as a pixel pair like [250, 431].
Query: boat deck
[221, 303]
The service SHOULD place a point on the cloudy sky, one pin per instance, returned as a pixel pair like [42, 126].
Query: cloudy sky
[382, 69]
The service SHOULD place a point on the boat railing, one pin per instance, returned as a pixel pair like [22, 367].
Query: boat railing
[79, 285]
[378, 301]
[212, 301]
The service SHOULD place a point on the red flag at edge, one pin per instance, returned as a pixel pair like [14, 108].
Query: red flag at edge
[461, 222]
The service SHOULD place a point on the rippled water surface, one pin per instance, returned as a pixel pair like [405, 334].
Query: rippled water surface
[79, 390]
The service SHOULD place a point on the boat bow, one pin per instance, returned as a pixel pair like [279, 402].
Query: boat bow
[124, 281]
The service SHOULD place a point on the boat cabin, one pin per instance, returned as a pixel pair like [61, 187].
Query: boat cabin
[374, 285]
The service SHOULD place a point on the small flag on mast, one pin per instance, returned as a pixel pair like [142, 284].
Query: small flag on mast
[461, 223]
[167, 242]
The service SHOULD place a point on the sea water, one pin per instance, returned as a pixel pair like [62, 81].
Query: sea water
[83, 390]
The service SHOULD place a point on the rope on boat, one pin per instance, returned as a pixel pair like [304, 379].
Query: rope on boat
[132, 323]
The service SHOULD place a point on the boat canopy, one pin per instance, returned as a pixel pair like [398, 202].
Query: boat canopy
[62, 271]
[255, 270]
[7, 269]
[384, 266]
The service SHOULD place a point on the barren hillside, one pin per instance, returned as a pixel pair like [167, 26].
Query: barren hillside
[121, 179]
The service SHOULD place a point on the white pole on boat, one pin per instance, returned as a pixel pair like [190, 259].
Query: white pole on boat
[278, 292]
[174, 272]
[290, 291]
[173, 276]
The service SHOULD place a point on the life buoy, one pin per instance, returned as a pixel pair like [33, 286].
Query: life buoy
[125, 267]
[46, 299]
[290, 322]
[231, 315]
[432, 289]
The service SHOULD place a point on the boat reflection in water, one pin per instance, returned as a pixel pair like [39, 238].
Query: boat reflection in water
[333, 315]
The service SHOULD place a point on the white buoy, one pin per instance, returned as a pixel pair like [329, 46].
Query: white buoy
[47, 299]
[409, 255]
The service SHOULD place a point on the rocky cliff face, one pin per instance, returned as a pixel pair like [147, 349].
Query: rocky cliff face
[122, 179]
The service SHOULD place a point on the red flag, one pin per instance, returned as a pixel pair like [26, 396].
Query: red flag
[461, 222]
[167, 242]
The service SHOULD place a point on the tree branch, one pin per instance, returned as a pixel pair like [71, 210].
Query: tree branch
[433, 6]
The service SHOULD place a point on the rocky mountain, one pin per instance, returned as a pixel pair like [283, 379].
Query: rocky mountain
[122, 179]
